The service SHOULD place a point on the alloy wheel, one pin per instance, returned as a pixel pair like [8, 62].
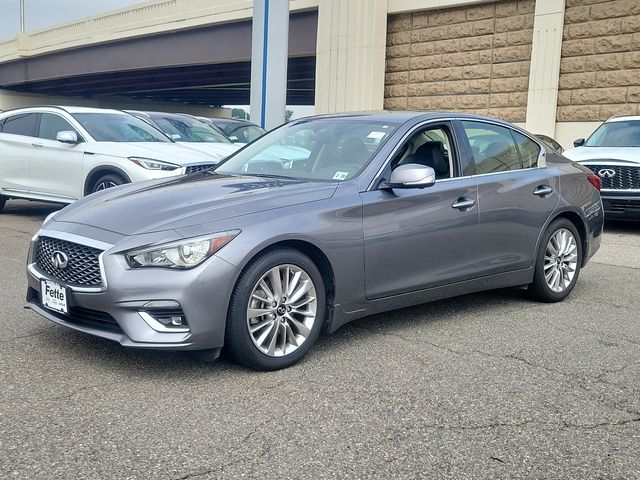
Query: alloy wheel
[105, 184]
[281, 310]
[560, 260]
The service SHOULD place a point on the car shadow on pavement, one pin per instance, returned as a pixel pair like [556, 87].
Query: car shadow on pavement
[150, 364]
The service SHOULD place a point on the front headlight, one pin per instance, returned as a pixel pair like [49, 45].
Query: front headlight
[151, 164]
[181, 254]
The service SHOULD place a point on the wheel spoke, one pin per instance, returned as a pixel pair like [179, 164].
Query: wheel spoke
[291, 338]
[258, 312]
[301, 327]
[304, 288]
[294, 282]
[276, 282]
[260, 325]
[274, 338]
[265, 288]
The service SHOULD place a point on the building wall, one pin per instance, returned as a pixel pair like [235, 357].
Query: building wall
[600, 64]
[472, 59]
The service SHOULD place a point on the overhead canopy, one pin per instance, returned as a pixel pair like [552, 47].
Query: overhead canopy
[204, 66]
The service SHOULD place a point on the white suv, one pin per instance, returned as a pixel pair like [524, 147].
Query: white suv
[613, 153]
[60, 154]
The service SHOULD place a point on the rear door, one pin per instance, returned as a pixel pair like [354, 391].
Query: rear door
[56, 168]
[516, 195]
[17, 134]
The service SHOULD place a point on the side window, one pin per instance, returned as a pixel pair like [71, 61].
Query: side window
[492, 147]
[529, 150]
[24, 124]
[51, 124]
[432, 147]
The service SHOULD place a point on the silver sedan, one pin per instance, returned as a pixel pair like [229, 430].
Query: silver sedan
[260, 255]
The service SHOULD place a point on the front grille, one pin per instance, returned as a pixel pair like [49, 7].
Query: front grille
[83, 268]
[199, 168]
[625, 178]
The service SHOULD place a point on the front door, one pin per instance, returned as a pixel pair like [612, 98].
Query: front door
[56, 168]
[420, 238]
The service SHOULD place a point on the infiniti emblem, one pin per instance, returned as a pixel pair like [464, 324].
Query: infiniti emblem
[59, 259]
[606, 173]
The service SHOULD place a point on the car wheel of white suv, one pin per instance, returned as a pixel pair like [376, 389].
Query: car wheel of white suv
[3, 200]
[107, 181]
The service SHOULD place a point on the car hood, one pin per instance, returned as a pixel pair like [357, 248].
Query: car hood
[215, 151]
[181, 202]
[167, 152]
[580, 154]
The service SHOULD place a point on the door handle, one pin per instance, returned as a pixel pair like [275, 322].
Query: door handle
[39, 145]
[543, 191]
[464, 204]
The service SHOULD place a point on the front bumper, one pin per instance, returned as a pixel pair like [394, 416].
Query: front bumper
[621, 205]
[113, 313]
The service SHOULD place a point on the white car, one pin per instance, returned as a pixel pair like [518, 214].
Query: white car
[613, 153]
[60, 154]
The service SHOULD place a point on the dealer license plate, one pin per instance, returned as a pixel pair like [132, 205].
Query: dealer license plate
[54, 296]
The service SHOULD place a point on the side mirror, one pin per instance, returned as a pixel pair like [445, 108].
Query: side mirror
[67, 137]
[579, 142]
[412, 175]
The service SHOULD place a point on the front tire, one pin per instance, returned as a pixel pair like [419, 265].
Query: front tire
[3, 201]
[558, 262]
[107, 181]
[276, 312]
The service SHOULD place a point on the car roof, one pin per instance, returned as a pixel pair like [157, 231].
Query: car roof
[623, 118]
[64, 108]
[400, 117]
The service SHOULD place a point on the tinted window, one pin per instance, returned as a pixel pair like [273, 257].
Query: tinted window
[118, 127]
[21, 124]
[529, 150]
[243, 133]
[492, 147]
[188, 129]
[51, 124]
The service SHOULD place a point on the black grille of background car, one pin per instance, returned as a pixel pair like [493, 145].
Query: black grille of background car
[625, 178]
[198, 168]
[83, 268]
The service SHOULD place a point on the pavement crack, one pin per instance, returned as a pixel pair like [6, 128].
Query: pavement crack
[28, 335]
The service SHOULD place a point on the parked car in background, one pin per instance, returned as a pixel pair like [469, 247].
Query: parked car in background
[60, 154]
[190, 132]
[550, 142]
[237, 131]
[261, 260]
[613, 153]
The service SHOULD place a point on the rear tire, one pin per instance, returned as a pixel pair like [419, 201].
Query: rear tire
[107, 181]
[276, 310]
[3, 201]
[558, 262]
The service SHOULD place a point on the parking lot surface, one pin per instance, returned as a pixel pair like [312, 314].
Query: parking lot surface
[490, 385]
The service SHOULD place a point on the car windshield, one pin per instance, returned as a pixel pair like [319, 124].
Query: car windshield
[118, 127]
[187, 129]
[624, 133]
[327, 149]
[243, 133]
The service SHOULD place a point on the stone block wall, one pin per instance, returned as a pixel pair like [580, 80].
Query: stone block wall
[471, 59]
[600, 64]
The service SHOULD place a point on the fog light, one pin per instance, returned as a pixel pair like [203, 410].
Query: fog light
[176, 321]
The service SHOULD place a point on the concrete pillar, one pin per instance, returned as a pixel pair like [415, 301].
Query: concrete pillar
[350, 59]
[544, 72]
[269, 55]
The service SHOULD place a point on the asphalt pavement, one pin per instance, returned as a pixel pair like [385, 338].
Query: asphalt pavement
[490, 385]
